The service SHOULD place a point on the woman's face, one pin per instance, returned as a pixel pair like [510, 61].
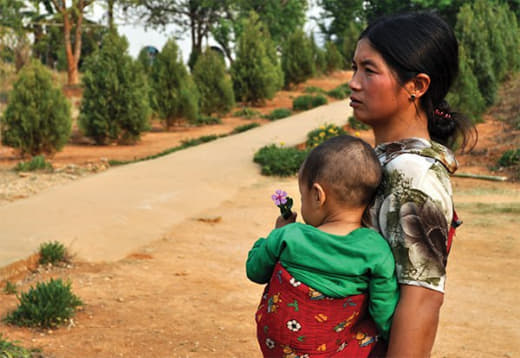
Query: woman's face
[376, 95]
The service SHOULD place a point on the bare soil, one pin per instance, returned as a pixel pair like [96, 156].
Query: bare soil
[186, 295]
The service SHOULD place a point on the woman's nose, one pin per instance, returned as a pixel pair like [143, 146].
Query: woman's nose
[354, 83]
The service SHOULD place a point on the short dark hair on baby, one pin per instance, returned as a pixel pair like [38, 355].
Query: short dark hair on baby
[347, 166]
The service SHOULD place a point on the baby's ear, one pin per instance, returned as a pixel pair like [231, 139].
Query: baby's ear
[319, 196]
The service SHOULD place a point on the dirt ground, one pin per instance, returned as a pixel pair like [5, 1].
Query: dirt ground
[186, 295]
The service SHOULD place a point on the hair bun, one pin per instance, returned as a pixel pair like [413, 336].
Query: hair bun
[444, 121]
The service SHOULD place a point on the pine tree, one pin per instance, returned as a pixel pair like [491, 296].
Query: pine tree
[350, 39]
[37, 119]
[333, 57]
[465, 96]
[472, 33]
[318, 56]
[214, 84]
[297, 58]
[508, 26]
[175, 95]
[115, 103]
[256, 72]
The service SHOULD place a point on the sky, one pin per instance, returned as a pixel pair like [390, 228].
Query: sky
[138, 36]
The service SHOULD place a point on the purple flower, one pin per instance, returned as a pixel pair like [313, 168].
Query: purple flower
[279, 197]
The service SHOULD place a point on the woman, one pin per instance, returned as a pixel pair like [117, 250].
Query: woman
[403, 68]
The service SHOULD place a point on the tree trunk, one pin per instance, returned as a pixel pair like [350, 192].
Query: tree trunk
[110, 14]
[72, 67]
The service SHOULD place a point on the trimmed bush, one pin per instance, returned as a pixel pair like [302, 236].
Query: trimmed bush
[10, 289]
[245, 127]
[48, 305]
[256, 72]
[297, 58]
[280, 161]
[52, 253]
[174, 94]
[115, 105]
[313, 90]
[36, 163]
[321, 134]
[37, 119]
[509, 158]
[305, 102]
[214, 84]
[279, 113]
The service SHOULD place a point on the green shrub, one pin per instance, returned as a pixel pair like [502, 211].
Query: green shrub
[302, 103]
[48, 305]
[37, 119]
[174, 93]
[256, 71]
[245, 127]
[115, 106]
[318, 56]
[207, 120]
[247, 112]
[52, 253]
[12, 350]
[214, 84]
[349, 43]
[10, 289]
[36, 163]
[314, 89]
[279, 113]
[338, 93]
[280, 161]
[321, 134]
[297, 58]
[509, 158]
[357, 125]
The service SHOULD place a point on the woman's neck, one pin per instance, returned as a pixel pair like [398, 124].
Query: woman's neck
[409, 126]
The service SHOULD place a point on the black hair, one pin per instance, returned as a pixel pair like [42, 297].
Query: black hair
[415, 43]
[345, 165]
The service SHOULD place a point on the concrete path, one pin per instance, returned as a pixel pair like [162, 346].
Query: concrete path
[105, 216]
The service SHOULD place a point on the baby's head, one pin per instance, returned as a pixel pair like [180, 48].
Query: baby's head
[345, 170]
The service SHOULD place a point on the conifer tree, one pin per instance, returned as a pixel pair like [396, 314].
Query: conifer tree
[37, 119]
[318, 56]
[472, 33]
[256, 72]
[214, 83]
[508, 26]
[115, 103]
[297, 58]
[333, 57]
[175, 95]
[465, 96]
[350, 38]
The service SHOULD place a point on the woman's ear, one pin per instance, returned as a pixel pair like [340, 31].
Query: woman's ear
[418, 85]
[318, 195]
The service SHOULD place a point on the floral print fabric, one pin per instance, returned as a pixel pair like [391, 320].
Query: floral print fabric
[296, 321]
[413, 209]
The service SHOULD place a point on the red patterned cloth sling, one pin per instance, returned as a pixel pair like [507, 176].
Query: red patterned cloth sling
[296, 321]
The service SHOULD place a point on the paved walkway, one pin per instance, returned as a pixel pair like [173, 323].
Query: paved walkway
[107, 215]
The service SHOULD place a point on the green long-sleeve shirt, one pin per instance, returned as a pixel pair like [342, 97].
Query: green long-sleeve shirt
[337, 266]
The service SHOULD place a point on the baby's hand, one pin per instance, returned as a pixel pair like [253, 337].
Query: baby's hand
[280, 221]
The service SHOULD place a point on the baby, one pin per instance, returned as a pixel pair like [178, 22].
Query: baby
[331, 286]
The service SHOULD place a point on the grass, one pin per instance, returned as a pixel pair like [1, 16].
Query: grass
[10, 349]
[36, 163]
[245, 127]
[47, 305]
[247, 113]
[52, 253]
[206, 120]
[511, 208]
[10, 288]
[279, 161]
[278, 113]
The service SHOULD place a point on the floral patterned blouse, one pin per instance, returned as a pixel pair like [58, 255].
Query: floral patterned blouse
[413, 209]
